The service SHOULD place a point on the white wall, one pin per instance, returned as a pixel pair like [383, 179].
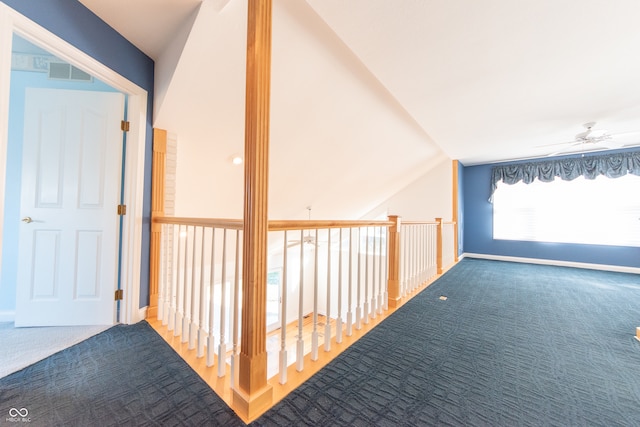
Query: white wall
[428, 197]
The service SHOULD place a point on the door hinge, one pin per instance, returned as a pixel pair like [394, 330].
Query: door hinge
[124, 126]
[122, 209]
[119, 295]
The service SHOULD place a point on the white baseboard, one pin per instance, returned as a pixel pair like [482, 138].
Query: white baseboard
[7, 316]
[604, 267]
[142, 314]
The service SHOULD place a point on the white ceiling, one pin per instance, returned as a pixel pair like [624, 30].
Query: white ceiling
[367, 95]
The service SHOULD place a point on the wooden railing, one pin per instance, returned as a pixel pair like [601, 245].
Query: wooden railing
[199, 285]
[325, 279]
[418, 254]
[333, 269]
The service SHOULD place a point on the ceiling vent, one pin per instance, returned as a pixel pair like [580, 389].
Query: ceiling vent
[64, 71]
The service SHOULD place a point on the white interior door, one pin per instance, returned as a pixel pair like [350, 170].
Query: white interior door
[71, 168]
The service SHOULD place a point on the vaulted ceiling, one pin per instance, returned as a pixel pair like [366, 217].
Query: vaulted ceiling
[368, 95]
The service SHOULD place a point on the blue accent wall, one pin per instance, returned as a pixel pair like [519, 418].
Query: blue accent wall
[74, 23]
[461, 222]
[478, 231]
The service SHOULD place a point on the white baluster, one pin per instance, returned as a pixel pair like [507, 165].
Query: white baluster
[414, 259]
[366, 278]
[212, 281]
[161, 270]
[184, 333]
[180, 297]
[283, 315]
[193, 304]
[235, 311]
[166, 302]
[374, 288]
[421, 278]
[339, 317]
[202, 333]
[404, 259]
[407, 258]
[359, 284]
[385, 282]
[380, 269]
[222, 346]
[432, 249]
[314, 334]
[173, 279]
[350, 293]
[168, 278]
[327, 325]
[300, 342]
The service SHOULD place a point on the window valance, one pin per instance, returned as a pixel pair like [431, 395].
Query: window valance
[609, 165]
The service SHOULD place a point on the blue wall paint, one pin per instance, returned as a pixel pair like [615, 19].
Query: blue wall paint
[478, 232]
[20, 81]
[74, 23]
[461, 223]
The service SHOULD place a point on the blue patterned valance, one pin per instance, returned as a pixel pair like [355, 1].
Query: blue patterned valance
[609, 165]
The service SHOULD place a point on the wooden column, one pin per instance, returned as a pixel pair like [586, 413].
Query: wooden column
[439, 246]
[393, 287]
[455, 210]
[157, 209]
[254, 393]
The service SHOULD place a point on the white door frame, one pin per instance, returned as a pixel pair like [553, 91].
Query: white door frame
[13, 22]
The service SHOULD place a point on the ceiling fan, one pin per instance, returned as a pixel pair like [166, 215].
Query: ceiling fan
[591, 139]
[307, 238]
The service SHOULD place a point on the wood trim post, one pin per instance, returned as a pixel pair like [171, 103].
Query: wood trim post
[253, 393]
[393, 286]
[157, 209]
[439, 246]
[455, 210]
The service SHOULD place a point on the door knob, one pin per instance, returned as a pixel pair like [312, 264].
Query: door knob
[27, 219]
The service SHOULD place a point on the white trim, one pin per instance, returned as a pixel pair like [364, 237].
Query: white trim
[589, 266]
[7, 316]
[12, 22]
[142, 313]
[5, 84]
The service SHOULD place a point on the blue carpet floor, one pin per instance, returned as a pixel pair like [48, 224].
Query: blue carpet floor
[125, 376]
[512, 345]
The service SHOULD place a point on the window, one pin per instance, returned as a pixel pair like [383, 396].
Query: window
[602, 211]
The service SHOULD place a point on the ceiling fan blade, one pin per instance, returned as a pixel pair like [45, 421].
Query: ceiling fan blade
[555, 144]
[612, 143]
[574, 144]
[627, 138]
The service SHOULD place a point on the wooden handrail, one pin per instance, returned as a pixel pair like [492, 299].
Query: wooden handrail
[232, 224]
[427, 222]
[274, 225]
[281, 225]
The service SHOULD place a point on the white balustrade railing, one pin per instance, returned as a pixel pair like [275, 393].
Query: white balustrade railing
[325, 279]
[199, 286]
[334, 271]
[418, 254]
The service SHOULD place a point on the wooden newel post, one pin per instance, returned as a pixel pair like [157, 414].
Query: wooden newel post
[439, 246]
[253, 393]
[157, 209]
[393, 286]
